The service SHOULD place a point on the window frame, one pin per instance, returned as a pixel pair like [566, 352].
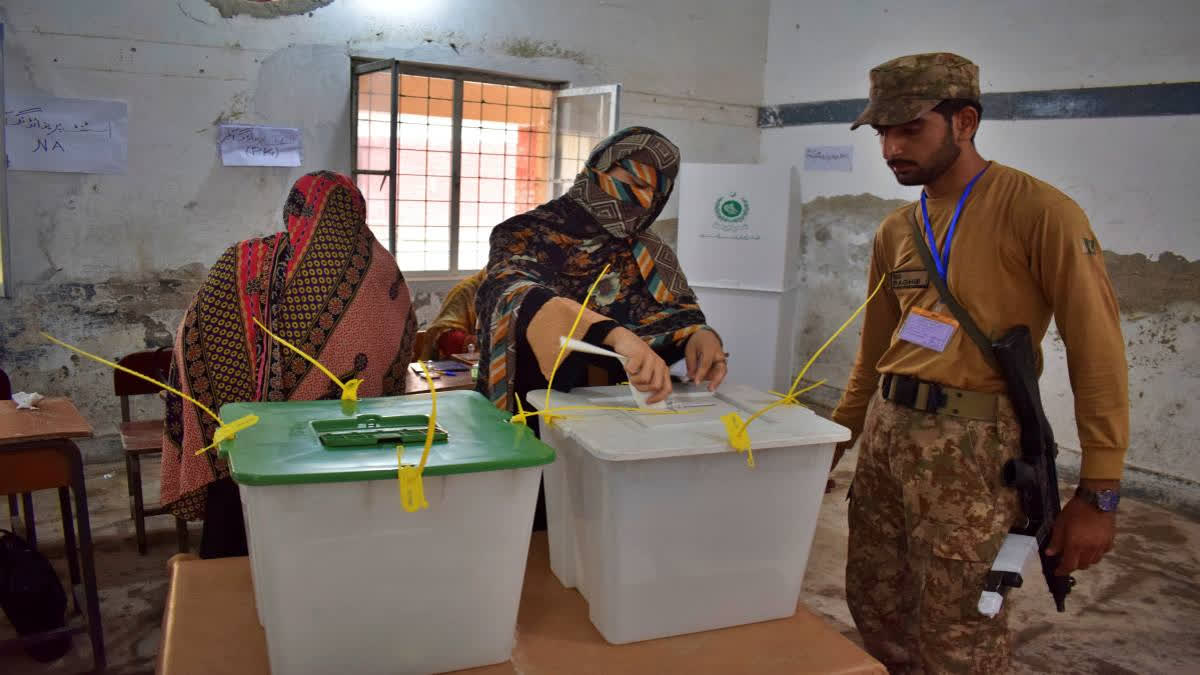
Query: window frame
[614, 111]
[363, 66]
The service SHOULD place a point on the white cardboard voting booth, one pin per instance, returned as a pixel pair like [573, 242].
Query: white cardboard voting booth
[663, 528]
[739, 243]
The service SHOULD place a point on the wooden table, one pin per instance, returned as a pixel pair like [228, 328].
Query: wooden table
[470, 358]
[416, 384]
[211, 602]
[37, 453]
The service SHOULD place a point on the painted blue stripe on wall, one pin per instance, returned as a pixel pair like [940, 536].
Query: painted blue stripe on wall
[1182, 98]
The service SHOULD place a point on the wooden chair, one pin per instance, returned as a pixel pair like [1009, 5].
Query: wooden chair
[419, 343]
[143, 437]
[56, 463]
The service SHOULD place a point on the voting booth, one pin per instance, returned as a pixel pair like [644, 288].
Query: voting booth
[739, 244]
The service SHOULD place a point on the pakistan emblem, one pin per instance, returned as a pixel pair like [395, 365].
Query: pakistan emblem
[731, 208]
[731, 211]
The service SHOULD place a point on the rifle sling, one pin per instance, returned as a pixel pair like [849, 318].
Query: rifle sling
[964, 319]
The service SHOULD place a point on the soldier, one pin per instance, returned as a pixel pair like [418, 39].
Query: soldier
[929, 509]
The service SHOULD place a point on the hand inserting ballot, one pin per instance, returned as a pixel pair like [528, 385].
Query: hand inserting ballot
[647, 371]
[706, 359]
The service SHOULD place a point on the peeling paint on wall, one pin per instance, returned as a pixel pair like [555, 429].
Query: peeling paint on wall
[266, 9]
[835, 248]
[111, 318]
[238, 107]
[1145, 285]
[528, 48]
[1159, 301]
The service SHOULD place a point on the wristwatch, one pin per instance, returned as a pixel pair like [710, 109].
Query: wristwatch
[1104, 500]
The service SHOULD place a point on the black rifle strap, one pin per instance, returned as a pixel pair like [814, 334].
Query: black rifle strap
[964, 319]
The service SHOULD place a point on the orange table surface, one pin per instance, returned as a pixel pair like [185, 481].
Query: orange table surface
[53, 418]
[211, 602]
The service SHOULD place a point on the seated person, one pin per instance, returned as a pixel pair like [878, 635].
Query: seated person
[453, 331]
[325, 285]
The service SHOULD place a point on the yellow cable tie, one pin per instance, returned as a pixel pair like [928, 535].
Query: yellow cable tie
[224, 432]
[408, 481]
[123, 369]
[429, 432]
[521, 416]
[794, 399]
[739, 438]
[349, 389]
[227, 432]
[836, 334]
[562, 350]
[409, 478]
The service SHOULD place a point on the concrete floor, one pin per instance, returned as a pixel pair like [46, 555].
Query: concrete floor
[1138, 612]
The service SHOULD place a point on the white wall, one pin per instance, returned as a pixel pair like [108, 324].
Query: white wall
[1135, 177]
[109, 262]
[822, 51]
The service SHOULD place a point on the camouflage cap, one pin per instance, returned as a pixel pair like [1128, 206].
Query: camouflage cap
[903, 89]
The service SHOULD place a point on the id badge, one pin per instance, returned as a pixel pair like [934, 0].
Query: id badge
[928, 329]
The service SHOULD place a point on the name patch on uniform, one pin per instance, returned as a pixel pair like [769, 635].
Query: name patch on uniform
[928, 329]
[902, 279]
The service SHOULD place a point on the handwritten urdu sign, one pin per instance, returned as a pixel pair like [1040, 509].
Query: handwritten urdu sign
[254, 145]
[44, 133]
[829, 158]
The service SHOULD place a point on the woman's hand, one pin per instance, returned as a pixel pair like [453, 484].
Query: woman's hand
[647, 371]
[705, 356]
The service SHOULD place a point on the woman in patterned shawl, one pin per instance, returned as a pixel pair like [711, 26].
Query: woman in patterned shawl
[543, 262]
[325, 285]
[454, 327]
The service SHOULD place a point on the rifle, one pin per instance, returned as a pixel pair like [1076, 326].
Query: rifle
[1034, 475]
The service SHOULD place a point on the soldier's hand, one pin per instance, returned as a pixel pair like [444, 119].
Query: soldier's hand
[1082, 535]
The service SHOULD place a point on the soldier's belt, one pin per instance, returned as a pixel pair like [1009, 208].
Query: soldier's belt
[934, 398]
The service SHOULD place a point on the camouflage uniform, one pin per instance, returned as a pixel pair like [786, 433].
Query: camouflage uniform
[928, 510]
[928, 513]
[903, 89]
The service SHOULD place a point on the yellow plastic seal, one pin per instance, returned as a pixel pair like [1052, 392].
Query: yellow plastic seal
[349, 389]
[410, 479]
[227, 432]
[738, 438]
[735, 429]
[224, 432]
[562, 350]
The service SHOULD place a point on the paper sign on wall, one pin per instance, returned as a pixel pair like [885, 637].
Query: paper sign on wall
[255, 145]
[829, 158]
[44, 133]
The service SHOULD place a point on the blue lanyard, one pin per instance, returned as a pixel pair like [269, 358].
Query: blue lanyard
[942, 261]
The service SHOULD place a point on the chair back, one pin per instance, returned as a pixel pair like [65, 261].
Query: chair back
[154, 363]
